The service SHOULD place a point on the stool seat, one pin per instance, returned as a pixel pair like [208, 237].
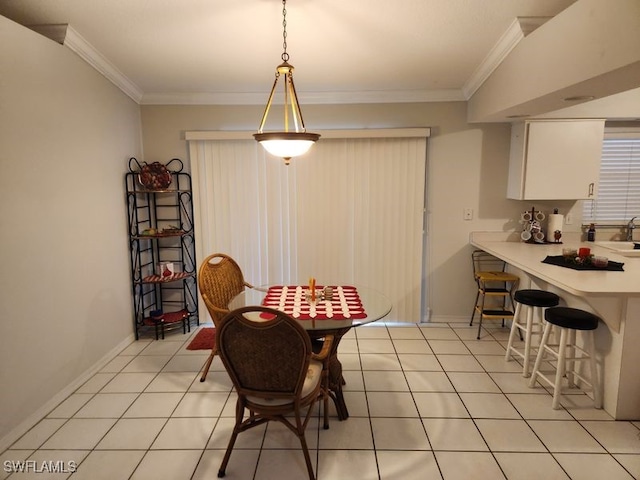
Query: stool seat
[496, 276]
[573, 318]
[537, 298]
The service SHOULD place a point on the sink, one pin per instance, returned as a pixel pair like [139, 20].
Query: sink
[621, 248]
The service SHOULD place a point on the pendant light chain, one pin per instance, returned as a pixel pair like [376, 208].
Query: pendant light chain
[286, 143]
[285, 55]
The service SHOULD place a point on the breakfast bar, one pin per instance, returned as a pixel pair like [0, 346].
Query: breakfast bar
[612, 295]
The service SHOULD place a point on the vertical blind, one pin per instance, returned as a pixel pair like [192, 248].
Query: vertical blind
[618, 196]
[351, 211]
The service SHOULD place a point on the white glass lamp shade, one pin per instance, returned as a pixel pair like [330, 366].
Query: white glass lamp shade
[287, 144]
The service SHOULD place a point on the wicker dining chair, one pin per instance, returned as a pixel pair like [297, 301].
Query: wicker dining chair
[275, 373]
[219, 280]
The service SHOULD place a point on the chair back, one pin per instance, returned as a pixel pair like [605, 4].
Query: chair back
[265, 352]
[485, 262]
[219, 280]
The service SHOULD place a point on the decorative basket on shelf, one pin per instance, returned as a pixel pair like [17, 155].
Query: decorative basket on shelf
[154, 176]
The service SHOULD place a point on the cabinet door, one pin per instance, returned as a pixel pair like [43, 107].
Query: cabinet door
[563, 159]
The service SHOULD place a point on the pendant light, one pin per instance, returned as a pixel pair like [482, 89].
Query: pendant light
[287, 143]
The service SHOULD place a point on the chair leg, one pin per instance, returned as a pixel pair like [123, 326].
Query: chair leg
[481, 314]
[223, 467]
[207, 365]
[475, 307]
[307, 458]
[325, 396]
[232, 440]
[326, 411]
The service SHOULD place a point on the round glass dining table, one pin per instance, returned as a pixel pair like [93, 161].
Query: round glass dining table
[376, 306]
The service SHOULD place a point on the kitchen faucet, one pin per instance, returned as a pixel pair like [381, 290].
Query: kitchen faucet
[630, 227]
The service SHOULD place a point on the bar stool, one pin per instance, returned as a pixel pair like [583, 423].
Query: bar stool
[568, 320]
[534, 301]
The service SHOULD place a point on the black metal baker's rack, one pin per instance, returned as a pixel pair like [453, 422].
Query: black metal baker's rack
[161, 231]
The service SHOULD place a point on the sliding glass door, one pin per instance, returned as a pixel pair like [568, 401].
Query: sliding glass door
[351, 211]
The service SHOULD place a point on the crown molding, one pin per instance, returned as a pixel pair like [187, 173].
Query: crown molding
[308, 98]
[75, 42]
[65, 35]
[56, 32]
[519, 28]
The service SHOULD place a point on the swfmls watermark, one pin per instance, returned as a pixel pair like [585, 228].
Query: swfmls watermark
[34, 466]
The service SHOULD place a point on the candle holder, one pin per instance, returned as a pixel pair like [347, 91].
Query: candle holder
[314, 299]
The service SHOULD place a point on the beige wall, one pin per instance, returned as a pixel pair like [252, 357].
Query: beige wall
[467, 168]
[66, 135]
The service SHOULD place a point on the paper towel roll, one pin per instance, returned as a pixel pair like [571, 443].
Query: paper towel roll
[556, 222]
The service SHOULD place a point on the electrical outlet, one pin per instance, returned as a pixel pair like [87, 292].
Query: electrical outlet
[467, 214]
[568, 219]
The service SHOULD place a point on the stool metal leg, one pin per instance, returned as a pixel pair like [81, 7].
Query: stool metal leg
[475, 307]
[484, 296]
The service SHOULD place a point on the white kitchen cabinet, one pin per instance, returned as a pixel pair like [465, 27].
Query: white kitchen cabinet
[555, 159]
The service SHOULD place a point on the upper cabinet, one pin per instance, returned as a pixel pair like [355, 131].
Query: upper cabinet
[555, 159]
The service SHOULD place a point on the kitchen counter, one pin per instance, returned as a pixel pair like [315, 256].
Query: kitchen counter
[613, 296]
[528, 257]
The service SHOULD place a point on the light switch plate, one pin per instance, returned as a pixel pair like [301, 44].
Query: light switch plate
[467, 214]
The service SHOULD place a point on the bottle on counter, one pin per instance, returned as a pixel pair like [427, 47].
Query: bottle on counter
[591, 233]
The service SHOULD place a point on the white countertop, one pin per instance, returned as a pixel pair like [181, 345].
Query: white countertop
[528, 257]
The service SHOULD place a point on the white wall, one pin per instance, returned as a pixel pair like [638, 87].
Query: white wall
[66, 134]
[467, 168]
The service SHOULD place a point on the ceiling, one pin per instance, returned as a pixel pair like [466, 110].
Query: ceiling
[214, 51]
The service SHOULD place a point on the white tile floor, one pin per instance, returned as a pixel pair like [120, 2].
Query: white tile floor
[425, 402]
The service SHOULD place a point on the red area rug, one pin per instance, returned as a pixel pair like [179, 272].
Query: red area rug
[205, 339]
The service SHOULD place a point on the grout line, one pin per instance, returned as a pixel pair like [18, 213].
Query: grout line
[318, 414]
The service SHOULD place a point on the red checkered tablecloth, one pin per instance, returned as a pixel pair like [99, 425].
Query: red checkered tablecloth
[293, 300]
